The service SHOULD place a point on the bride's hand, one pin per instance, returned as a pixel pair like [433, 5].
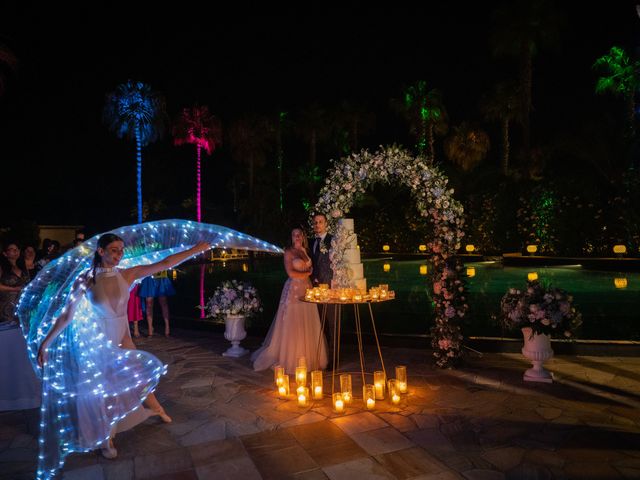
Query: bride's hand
[43, 355]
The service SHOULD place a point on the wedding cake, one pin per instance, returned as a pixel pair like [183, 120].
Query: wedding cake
[351, 272]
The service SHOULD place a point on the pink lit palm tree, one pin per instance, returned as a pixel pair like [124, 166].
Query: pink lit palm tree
[198, 127]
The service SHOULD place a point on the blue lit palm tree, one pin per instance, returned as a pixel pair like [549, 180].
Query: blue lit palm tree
[198, 127]
[135, 111]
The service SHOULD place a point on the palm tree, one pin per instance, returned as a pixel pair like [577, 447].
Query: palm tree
[466, 147]
[523, 27]
[250, 137]
[135, 111]
[314, 126]
[425, 112]
[351, 121]
[196, 126]
[503, 105]
[622, 77]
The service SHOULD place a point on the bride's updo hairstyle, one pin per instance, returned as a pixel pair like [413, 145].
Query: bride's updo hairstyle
[103, 241]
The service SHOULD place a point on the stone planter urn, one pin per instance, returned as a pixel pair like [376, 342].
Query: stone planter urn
[537, 348]
[234, 332]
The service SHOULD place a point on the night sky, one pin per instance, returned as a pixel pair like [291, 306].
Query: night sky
[60, 164]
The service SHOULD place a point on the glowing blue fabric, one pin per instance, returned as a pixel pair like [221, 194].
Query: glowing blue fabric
[88, 383]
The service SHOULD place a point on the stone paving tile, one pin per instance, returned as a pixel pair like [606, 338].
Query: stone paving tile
[118, 470]
[304, 419]
[326, 443]
[399, 422]
[411, 462]
[482, 474]
[361, 469]
[265, 442]
[504, 458]
[383, 440]
[278, 464]
[235, 469]
[360, 422]
[93, 472]
[153, 465]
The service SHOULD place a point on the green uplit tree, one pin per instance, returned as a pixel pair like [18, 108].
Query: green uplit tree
[425, 112]
[503, 105]
[621, 77]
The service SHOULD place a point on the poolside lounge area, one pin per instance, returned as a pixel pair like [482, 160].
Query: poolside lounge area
[480, 421]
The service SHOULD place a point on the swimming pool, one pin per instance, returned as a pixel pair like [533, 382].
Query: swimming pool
[608, 300]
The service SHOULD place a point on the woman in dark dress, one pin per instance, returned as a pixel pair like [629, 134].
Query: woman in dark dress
[13, 278]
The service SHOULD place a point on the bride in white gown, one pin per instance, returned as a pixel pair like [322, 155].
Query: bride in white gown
[295, 331]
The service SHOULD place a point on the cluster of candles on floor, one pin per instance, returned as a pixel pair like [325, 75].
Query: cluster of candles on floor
[323, 293]
[395, 387]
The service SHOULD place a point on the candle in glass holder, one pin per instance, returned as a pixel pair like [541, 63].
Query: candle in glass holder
[369, 396]
[283, 388]
[338, 403]
[384, 291]
[316, 384]
[346, 389]
[303, 397]
[278, 373]
[323, 286]
[301, 376]
[379, 381]
[308, 294]
[401, 377]
[394, 392]
[343, 295]
[357, 297]
[375, 293]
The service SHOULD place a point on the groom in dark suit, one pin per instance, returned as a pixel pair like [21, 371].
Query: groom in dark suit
[322, 273]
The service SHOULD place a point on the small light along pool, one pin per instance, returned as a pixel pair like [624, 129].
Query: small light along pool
[609, 301]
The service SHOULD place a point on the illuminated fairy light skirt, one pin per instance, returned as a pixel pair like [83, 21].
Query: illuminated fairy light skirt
[89, 384]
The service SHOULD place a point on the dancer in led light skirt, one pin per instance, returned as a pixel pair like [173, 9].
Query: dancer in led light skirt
[74, 317]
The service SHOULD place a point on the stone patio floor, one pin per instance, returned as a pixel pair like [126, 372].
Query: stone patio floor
[479, 422]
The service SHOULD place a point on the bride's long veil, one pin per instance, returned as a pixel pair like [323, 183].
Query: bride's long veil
[88, 384]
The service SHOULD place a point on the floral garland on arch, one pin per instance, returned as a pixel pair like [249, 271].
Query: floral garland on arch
[352, 175]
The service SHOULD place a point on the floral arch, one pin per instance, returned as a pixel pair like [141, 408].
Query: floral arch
[352, 176]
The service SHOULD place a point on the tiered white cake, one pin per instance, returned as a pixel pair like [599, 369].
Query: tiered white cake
[353, 265]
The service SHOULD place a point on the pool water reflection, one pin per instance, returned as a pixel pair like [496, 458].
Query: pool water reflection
[608, 300]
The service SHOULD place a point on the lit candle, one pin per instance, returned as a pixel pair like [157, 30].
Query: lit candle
[278, 372]
[338, 403]
[368, 395]
[303, 397]
[316, 384]
[379, 380]
[401, 377]
[379, 391]
[283, 389]
[394, 392]
[301, 376]
[357, 297]
[346, 388]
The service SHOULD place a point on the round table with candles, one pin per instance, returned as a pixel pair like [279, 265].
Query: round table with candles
[345, 296]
